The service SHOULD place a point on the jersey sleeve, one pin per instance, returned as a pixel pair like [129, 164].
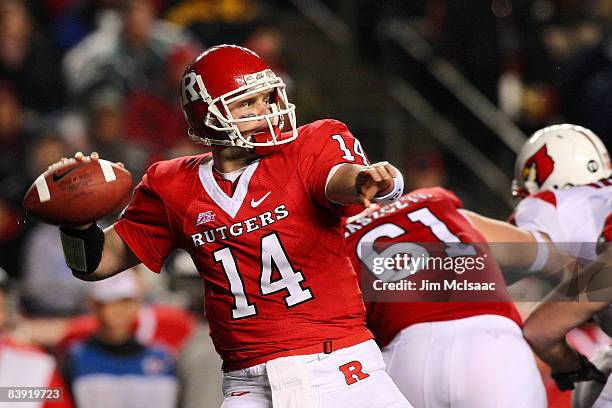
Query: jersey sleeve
[607, 230]
[144, 225]
[329, 145]
[605, 237]
[539, 214]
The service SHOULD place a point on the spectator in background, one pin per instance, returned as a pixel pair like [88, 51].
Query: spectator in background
[153, 117]
[112, 368]
[13, 178]
[171, 327]
[10, 237]
[48, 287]
[267, 41]
[157, 324]
[26, 366]
[27, 61]
[13, 141]
[585, 87]
[135, 56]
[71, 21]
[127, 52]
[215, 21]
[107, 127]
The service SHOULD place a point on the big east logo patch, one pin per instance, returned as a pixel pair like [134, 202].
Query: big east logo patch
[541, 164]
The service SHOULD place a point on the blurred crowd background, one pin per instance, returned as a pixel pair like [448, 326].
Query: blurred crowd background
[445, 89]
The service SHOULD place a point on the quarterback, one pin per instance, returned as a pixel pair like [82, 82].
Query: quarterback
[261, 217]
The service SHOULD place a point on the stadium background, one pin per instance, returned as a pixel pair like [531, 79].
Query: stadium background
[445, 89]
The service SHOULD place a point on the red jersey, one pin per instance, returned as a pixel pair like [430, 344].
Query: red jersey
[277, 281]
[427, 221]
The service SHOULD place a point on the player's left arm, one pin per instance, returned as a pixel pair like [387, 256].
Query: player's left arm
[354, 183]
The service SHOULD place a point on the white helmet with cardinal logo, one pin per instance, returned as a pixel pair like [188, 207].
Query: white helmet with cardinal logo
[560, 156]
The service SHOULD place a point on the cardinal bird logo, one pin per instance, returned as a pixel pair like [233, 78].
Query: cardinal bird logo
[539, 167]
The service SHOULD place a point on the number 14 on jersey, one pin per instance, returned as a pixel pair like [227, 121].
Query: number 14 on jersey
[272, 254]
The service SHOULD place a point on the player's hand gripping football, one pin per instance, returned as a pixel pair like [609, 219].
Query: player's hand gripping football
[80, 157]
[375, 180]
[78, 191]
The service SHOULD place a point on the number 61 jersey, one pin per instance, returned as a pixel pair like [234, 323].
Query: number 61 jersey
[426, 224]
[277, 279]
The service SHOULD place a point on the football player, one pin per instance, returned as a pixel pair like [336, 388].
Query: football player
[261, 218]
[562, 175]
[447, 346]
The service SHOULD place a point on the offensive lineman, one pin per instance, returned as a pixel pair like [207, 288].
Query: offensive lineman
[261, 218]
[448, 348]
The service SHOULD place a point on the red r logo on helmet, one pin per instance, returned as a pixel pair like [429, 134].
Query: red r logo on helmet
[543, 165]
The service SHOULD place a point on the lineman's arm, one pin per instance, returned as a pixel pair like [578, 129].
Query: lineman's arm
[522, 248]
[499, 231]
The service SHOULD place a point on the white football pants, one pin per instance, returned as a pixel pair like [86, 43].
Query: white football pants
[476, 362]
[350, 377]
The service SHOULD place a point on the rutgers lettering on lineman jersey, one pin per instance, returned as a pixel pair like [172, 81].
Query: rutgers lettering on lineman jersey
[573, 218]
[426, 216]
[275, 280]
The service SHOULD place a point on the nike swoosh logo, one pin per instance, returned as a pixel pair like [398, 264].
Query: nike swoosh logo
[256, 203]
[58, 177]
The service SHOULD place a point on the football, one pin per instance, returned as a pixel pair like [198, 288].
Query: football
[78, 192]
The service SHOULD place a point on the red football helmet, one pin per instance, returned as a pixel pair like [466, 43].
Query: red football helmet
[222, 75]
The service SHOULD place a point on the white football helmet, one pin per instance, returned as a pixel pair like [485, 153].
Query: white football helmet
[560, 156]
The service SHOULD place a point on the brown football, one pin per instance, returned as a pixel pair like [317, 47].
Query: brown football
[78, 192]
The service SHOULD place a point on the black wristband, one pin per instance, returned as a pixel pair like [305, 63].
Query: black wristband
[564, 381]
[82, 248]
[586, 372]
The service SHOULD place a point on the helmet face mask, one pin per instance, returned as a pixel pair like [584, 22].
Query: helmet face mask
[227, 74]
[558, 157]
